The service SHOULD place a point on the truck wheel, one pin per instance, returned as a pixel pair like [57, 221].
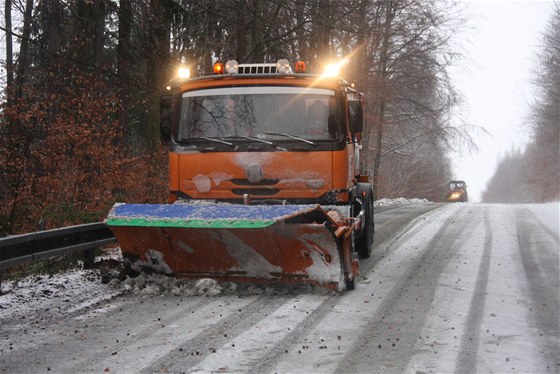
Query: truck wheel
[364, 240]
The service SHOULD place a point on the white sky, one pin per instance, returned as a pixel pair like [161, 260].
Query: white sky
[496, 81]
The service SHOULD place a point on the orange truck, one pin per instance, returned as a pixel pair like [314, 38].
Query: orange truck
[265, 181]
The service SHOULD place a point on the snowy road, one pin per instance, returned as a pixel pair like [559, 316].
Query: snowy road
[449, 288]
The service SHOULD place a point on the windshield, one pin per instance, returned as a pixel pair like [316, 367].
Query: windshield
[261, 112]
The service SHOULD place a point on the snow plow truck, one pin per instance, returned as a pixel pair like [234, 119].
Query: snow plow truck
[265, 180]
[457, 192]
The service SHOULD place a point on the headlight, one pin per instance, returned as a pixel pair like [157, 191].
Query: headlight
[455, 195]
[184, 72]
[333, 70]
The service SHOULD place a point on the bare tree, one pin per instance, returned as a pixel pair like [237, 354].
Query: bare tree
[22, 62]
[9, 43]
[509, 185]
[124, 58]
[121, 53]
[544, 152]
[534, 175]
[411, 97]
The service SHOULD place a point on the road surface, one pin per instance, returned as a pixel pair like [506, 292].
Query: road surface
[467, 288]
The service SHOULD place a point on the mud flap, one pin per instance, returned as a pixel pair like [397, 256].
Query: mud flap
[241, 243]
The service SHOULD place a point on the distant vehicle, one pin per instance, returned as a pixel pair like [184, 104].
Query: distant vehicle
[457, 192]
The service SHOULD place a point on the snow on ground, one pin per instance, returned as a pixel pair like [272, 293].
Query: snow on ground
[476, 315]
[78, 289]
[82, 288]
[44, 295]
[548, 214]
[482, 301]
[400, 201]
[75, 290]
[37, 296]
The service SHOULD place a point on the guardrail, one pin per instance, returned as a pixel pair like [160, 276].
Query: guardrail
[19, 249]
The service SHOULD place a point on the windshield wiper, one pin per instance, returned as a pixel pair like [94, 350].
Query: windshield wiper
[292, 137]
[234, 146]
[265, 142]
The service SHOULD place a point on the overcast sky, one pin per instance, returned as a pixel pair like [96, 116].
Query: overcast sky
[496, 81]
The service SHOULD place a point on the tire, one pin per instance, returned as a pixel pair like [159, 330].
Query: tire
[364, 240]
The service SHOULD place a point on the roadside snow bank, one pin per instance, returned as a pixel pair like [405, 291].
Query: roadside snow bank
[51, 296]
[400, 201]
[41, 297]
[159, 284]
[548, 214]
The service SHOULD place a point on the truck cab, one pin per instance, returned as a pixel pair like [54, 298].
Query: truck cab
[264, 134]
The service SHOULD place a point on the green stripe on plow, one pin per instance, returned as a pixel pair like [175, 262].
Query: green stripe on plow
[191, 223]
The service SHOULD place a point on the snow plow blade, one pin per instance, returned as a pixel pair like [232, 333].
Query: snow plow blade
[239, 243]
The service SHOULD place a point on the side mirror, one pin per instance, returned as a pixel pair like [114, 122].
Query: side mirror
[356, 117]
[165, 117]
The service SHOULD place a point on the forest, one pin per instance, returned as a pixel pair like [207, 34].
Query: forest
[533, 174]
[79, 117]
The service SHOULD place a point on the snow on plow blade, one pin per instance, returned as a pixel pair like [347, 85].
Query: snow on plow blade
[240, 243]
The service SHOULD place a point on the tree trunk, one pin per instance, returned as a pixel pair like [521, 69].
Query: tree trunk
[9, 44]
[23, 50]
[99, 10]
[157, 72]
[381, 95]
[241, 26]
[257, 48]
[124, 57]
[302, 35]
[52, 21]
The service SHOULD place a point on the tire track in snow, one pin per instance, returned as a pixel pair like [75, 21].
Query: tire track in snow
[258, 330]
[156, 337]
[256, 348]
[393, 228]
[69, 343]
[259, 347]
[438, 345]
[326, 336]
[292, 341]
[388, 339]
[468, 351]
[189, 350]
[538, 247]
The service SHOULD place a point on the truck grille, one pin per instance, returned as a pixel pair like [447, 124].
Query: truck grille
[255, 191]
[262, 182]
[257, 69]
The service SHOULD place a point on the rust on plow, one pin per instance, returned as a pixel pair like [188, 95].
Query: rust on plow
[248, 243]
